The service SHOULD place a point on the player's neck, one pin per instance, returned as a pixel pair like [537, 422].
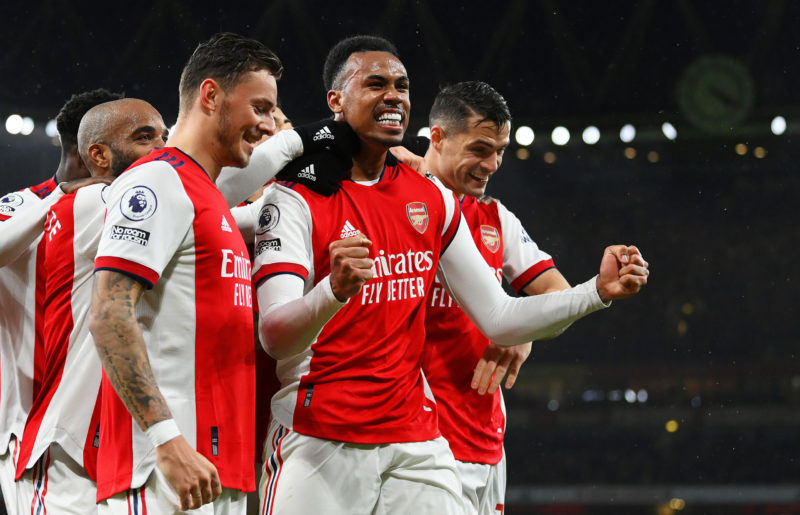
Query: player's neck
[71, 167]
[431, 164]
[191, 142]
[368, 164]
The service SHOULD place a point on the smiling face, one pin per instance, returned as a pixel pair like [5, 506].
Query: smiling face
[373, 97]
[469, 159]
[245, 116]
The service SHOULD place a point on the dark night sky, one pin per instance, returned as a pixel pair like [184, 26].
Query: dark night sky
[550, 58]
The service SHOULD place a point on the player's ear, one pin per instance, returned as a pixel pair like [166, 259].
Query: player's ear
[210, 95]
[100, 156]
[437, 137]
[335, 103]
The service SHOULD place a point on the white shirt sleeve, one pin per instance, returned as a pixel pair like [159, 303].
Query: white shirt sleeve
[520, 252]
[245, 218]
[269, 158]
[22, 229]
[148, 216]
[292, 312]
[283, 236]
[508, 320]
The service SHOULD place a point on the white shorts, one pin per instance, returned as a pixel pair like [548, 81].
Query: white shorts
[8, 469]
[483, 486]
[156, 497]
[303, 474]
[56, 484]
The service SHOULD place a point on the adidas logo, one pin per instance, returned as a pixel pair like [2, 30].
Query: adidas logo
[348, 230]
[323, 133]
[308, 173]
[225, 226]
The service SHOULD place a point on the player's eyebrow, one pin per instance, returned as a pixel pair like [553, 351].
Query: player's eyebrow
[143, 128]
[383, 78]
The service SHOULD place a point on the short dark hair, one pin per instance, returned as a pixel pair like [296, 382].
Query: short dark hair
[225, 57]
[69, 117]
[341, 52]
[456, 103]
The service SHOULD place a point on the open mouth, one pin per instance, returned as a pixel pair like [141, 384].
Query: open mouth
[391, 120]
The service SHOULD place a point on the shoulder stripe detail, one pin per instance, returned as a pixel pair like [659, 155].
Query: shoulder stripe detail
[529, 275]
[279, 268]
[132, 269]
[287, 184]
[450, 233]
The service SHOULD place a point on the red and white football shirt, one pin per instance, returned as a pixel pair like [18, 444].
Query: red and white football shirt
[360, 381]
[473, 424]
[66, 412]
[168, 226]
[21, 290]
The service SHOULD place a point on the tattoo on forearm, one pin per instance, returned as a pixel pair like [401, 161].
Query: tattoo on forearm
[122, 349]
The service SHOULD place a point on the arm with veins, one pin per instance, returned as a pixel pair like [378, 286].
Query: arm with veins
[269, 158]
[508, 320]
[20, 231]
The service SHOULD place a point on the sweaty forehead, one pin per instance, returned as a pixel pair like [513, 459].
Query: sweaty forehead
[374, 63]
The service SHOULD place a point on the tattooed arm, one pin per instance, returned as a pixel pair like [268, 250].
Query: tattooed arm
[123, 353]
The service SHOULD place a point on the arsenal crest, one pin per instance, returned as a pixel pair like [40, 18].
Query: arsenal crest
[418, 216]
[490, 237]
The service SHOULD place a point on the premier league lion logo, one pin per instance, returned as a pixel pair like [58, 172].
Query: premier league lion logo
[138, 203]
[10, 202]
[268, 218]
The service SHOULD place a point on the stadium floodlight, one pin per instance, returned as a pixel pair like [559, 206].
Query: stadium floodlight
[524, 135]
[424, 131]
[778, 125]
[50, 129]
[669, 131]
[27, 126]
[627, 133]
[560, 136]
[591, 135]
[14, 124]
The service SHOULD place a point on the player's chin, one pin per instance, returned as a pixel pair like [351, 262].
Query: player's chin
[475, 191]
[390, 140]
[238, 159]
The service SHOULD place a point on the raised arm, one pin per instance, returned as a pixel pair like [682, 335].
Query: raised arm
[510, 321]
[236, 184]
[123, 353]
[498, 362]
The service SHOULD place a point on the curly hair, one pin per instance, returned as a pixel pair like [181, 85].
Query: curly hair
[69, 117]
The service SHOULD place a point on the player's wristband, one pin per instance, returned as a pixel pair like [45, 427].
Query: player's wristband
[162, 432]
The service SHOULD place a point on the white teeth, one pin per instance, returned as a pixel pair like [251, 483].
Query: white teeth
[390, 117]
